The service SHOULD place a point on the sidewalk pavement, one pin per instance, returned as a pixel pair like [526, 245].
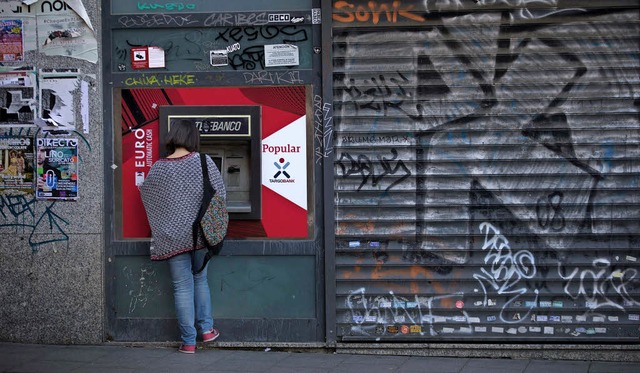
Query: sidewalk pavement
[28, 358]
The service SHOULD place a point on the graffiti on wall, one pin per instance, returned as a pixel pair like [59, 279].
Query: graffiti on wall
[512, 204]
[187, 49]
[25, 216]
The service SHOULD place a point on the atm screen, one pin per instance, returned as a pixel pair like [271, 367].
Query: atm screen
[218, 161]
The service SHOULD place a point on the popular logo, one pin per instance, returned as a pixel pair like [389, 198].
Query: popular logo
[282, 175]
[281, 169]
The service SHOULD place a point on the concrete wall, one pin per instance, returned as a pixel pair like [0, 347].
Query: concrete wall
[51, 252]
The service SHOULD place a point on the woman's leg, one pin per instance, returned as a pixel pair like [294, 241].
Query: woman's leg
[203, 313]
[183, 293]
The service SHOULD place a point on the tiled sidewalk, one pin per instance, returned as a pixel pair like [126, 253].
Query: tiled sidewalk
[26, 358]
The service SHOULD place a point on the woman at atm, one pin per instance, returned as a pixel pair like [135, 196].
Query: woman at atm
[171, 195]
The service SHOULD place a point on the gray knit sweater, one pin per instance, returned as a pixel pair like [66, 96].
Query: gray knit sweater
[171, 194]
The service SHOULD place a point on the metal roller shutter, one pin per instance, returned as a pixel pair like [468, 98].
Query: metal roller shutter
[487, 170]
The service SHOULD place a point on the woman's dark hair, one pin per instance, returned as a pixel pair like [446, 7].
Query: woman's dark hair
[183, 134]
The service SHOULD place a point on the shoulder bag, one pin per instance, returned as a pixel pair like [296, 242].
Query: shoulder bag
[212, 220]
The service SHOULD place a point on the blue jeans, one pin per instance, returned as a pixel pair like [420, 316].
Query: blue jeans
[191, 295]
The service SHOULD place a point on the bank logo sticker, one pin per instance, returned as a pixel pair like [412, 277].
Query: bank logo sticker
[281, 165]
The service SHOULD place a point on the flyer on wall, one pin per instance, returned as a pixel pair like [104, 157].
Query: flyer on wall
[57, 168]
[18, 103]
[11, 40]
[16, 164]
[57, 87]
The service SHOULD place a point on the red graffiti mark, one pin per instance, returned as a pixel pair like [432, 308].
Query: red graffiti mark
[347, 12]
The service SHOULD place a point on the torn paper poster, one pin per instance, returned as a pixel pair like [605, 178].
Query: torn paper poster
[71, 33]
[11, 40]
[57, 89]
[65, 34]
[77, 7]
[17, 97]
[84, 105]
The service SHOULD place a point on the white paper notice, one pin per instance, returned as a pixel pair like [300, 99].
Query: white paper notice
[84, 105]
[156, 57]
[281, 55]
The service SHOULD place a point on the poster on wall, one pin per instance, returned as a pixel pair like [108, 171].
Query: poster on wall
[57, 168]
[17, 97]
[12, 10]
[56, 97]
[16, 164]
[11, 40]
[65, 33]
[284, 162]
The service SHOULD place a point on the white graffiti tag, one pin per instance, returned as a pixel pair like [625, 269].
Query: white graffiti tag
[506, 270]
[595, 285]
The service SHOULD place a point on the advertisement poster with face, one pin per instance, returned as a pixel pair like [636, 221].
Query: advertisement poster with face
[57, 168]
[16, 164]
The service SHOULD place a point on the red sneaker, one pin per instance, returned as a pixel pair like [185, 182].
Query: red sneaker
[210, 336]
[187, 349]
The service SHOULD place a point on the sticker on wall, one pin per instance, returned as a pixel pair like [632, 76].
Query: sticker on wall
[548, 330]
[581, 318]
[219, 57]
[147, 58]
[281, 55]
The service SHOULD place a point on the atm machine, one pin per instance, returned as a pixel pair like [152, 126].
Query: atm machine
[231, 137]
